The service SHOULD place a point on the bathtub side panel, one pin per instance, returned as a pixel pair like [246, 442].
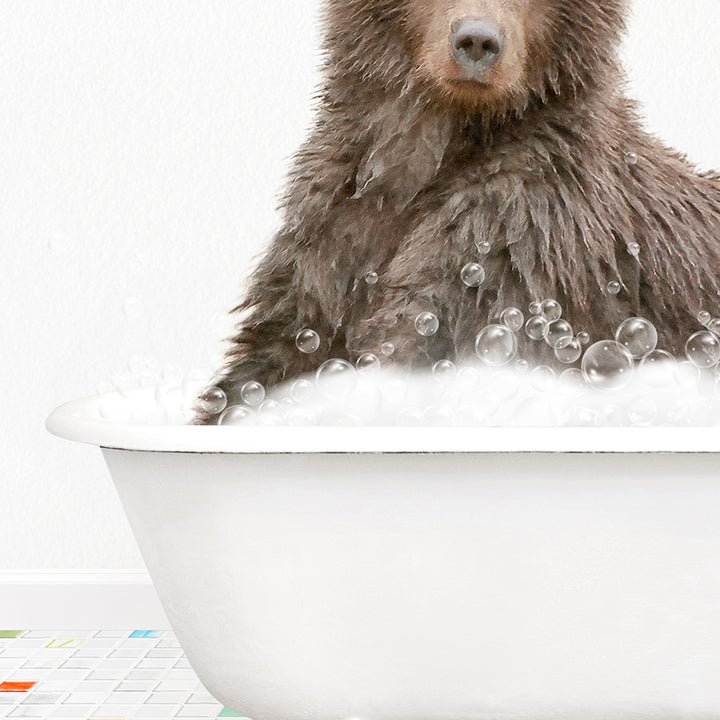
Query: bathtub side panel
[409, 587]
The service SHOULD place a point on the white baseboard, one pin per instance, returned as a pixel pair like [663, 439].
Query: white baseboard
[79, 600]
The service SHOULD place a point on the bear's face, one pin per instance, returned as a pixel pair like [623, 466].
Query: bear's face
[478, 51]
[478, 54]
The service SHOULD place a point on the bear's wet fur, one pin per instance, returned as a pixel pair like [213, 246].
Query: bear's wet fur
[408, 169]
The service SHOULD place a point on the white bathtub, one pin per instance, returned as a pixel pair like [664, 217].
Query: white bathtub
[431, 574]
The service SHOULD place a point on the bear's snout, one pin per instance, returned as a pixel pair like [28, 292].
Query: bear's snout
[476, 44]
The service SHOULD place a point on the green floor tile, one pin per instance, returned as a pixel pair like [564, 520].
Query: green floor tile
[11, 633]
[227, 712]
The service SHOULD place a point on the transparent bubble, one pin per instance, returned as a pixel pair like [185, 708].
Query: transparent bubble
[496, 345]
[371, 277]
[468, 378]
[252, 393]
[633, 249]
[335, 378]
[236, 415]
[584, 337]
[542, 378]
[484, 247]
[387, 349]
[558, 331]
[614, 287]
[611, 416]
[212, 401]
[301, 417]
[606, 365]
[638, 336]
[269, 407]
[132, 308]
[513, 318]
[473, 275]
[572, 382]
[642, 411]
[367, 363]
[550, 310]
[535, 327]
[307, 341]
[568, 350]
[687, 375]
[714, 326]
[302, 390]
[658, 368]
[631, 158]
[704, 317]
[444, 371]
[427, 324]
[703, 349]
[522, 365]
[535, 308]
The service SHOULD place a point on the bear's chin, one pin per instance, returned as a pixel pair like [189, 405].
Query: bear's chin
[478, 96]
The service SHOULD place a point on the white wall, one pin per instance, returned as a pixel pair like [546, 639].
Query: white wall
[162, 126]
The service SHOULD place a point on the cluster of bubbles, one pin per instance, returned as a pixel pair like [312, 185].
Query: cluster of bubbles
[624, 380]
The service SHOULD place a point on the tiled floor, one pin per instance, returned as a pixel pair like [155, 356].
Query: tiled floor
[100, 675]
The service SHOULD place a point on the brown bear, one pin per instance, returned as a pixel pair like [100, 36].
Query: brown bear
[474, 131]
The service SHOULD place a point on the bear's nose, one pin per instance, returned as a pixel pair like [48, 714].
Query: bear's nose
[477, 44]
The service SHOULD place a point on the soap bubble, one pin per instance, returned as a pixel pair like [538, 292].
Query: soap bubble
[633, 249]
[642, 411]
[611, 416]
[371, 277]
[550, 310]
[387, 349]
[658, 368]
[522, 365]
[606, 365]
[473, 275]
[542, 378]
[496, 345]
[236, 415]
[132, 308]
[638, 336]
[302, 390]
[583, 337]
[427, 324]
[444, 371]
[513, 318]
[614, 287]
[704, 317]
[568, 350]
[367, 363]
[307, 341]
[535, 327]
[714, 326]
[572, 382]
[631, 158]
[335, 378]
[703, 349]
[687, 375]
[252, 393]
[269, 407]
[212, 401]
[535, 308]
[558, 331]
[484, 247]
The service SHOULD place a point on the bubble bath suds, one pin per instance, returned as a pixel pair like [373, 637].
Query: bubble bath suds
[623, 381]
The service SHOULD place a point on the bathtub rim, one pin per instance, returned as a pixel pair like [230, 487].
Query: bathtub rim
[78, 421]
